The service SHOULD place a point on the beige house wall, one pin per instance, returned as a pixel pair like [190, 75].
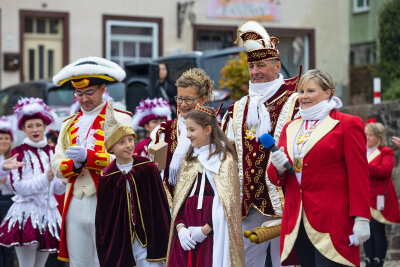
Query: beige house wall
[328, 18]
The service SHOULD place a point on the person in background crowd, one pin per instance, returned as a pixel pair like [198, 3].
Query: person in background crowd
[384, 201]
[132, 216]
[6, 139]
[326, 213]
[149, 114]
[80, 154]
[166, 87]
[52, 137]
[270, 104]
[396, 141]
[206, 221]
[32, 224]
[194, 87]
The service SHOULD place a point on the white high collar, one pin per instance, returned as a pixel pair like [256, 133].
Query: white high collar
[125, 167]
[321, 110]
[40, 144]
[94, 111]
[211, 164]
[258, 115]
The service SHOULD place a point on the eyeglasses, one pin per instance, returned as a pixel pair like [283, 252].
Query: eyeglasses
[88, 93]
[188, 101]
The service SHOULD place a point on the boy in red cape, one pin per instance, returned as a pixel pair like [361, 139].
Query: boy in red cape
[132, 216]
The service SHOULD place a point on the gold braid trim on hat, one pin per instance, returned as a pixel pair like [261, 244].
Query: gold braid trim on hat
[80, 84]
[104, 77]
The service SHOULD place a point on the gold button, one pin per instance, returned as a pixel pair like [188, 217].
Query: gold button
[254, 154]
[83, 187]
[252, 187]
[252, 171]
[305, 165]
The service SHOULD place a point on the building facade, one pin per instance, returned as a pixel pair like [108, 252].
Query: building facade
[37, 38]
[364, 48]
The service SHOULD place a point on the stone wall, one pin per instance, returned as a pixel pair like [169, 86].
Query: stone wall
[387, 113]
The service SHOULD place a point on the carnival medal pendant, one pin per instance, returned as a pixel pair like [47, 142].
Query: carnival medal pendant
[298, 165]
[251, 133]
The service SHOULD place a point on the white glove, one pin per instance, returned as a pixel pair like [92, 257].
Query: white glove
[78, 154]
[187, 242]
[172, 179]
[361, 230]
[279, 158]
[197, 234]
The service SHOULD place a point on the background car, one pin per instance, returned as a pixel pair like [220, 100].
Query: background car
[141, 77]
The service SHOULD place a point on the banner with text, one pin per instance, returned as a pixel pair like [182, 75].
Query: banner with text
[244, 9]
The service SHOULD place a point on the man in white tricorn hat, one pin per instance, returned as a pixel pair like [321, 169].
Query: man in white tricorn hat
[271, 103]
[80, 154]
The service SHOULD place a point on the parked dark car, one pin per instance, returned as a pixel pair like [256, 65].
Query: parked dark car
[142, 77]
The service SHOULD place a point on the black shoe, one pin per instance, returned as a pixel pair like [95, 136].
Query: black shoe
[368, 262]
[377, 262]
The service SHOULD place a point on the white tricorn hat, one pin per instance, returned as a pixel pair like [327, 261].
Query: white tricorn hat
[89, 71]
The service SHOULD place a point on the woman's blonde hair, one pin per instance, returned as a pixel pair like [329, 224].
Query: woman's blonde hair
[379, 131]
[323, 79]
[198, 79]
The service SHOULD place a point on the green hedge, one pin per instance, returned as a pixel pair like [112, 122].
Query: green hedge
[389, 38]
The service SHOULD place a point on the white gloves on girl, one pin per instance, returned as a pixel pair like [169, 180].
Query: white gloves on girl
[197, 234]
[361, 230]
[187, 242]
[279, 158]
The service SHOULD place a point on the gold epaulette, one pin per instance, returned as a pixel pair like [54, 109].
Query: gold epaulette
[70, 117]
[124, 111]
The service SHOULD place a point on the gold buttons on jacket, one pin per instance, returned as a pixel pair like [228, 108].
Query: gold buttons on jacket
[83, 187]
[306, 165]
[252, 171]
[252, 187]
[254, 154]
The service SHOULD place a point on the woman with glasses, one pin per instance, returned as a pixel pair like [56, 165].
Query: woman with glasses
[194, 87]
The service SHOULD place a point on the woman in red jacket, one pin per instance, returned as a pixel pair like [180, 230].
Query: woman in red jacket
[326, 213]
[384, 201]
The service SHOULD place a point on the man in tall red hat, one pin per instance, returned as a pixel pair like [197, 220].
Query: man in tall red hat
[81, 155]
[271, 103]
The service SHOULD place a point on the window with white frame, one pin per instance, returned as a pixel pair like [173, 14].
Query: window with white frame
[128, 41]
[360, 5]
